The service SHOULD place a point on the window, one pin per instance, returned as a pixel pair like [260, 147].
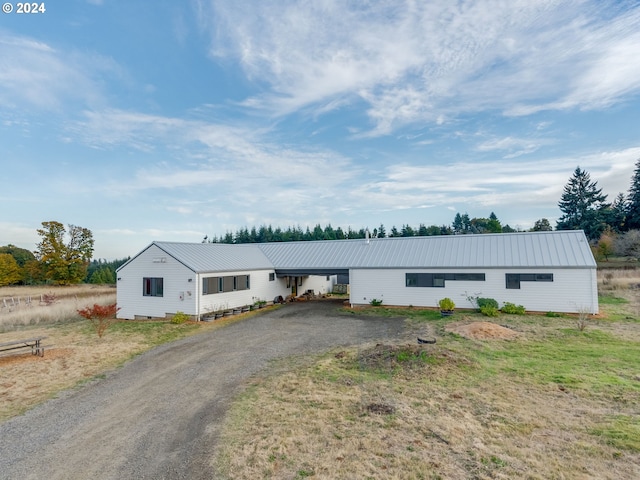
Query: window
[241, 282]
[228, 284]
[272, 277]
[210, 285]
[225, 284]
[513, 279]
[152, 287]
[438, 279]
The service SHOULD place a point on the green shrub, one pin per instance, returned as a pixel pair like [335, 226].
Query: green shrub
[489, 311]
[180, 317]
[513, 309]
[375, 302]
[446, 304]
[487, 302]
[553, 315]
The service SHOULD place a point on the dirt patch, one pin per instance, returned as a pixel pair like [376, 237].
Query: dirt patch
[482, 331]
[29, 357]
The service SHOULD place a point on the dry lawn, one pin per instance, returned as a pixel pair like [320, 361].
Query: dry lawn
[537, 400]
[73, 351]
[23, 306]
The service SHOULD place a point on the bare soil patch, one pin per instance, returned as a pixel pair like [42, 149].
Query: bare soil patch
[482, 331]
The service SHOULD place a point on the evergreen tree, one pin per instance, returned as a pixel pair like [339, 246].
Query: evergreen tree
[633, 205]
[381, 231]
[618, 214]
[542, 225]
[583, 206]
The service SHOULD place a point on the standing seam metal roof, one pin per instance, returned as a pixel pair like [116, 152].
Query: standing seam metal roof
[559, 249]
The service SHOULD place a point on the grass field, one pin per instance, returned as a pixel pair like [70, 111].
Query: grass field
[24, 306]
[556, 402]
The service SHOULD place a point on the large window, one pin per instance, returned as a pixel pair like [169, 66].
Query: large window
[513, 279]
[438, 279]
[210, 285]
[152, 287]
[225, 284]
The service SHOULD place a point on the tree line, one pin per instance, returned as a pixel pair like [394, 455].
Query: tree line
[62, 257]
[585, 207]
[462, 224]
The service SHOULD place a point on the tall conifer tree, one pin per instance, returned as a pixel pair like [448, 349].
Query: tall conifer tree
[633, 201]
[583, 206]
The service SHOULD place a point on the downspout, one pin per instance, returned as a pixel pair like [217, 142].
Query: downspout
[197, 294]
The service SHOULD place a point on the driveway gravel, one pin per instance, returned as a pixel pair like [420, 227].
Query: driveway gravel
[158, 417]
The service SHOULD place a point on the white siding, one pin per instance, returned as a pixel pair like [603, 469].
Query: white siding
[318, 283]
[179, 294]
[570, 291]
[260, 289]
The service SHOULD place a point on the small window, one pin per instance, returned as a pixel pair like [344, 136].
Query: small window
[241, 282]
[438, 280]
[228, 284]
[152, 287]
[272, 277]
[513, 279]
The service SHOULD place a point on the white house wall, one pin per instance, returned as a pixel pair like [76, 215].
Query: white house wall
[260, 288]
[318, 283]
[179, 294]
[571, 290]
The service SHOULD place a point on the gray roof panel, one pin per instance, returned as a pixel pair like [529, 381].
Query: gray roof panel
[560, 249]
[568, 249]
[216, 257]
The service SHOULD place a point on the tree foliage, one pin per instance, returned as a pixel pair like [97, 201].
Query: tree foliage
[633, 200]
[542, 225]
[100, 316]
[10, 271]
[64, 255]
[583, 206]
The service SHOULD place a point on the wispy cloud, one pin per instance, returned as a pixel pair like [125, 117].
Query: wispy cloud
[35, 75]
[423, 61]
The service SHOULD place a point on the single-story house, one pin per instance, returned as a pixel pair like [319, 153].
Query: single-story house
[543, 271]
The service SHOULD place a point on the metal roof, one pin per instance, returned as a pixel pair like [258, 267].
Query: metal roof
[558, 249]
[216, 257]
[565, 248]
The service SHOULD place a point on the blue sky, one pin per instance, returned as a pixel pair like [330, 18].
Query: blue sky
[165, 120]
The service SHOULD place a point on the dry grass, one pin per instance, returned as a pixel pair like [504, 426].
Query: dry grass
[618, 279]
[75, 354]
[16, 312]
[553, 403]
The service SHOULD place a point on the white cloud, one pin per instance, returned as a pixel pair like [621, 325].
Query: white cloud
[34, 74]
[427, 61]
[517, 184]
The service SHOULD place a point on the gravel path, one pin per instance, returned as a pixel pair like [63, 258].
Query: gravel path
[158, 417]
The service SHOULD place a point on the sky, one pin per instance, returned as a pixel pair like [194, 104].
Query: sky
[165, 120]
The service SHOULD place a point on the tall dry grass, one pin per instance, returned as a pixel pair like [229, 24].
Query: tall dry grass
[612, 279]
[22, 306]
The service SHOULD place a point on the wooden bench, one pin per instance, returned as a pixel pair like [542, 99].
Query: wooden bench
[33, 343]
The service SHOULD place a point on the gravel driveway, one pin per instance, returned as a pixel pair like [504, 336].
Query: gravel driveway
[158, 417]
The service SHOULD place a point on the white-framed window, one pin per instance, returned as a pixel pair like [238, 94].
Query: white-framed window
[152, 287]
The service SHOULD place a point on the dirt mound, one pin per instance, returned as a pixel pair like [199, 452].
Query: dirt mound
[482, 331]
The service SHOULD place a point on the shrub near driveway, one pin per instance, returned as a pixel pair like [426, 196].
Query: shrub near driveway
[557, 403]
